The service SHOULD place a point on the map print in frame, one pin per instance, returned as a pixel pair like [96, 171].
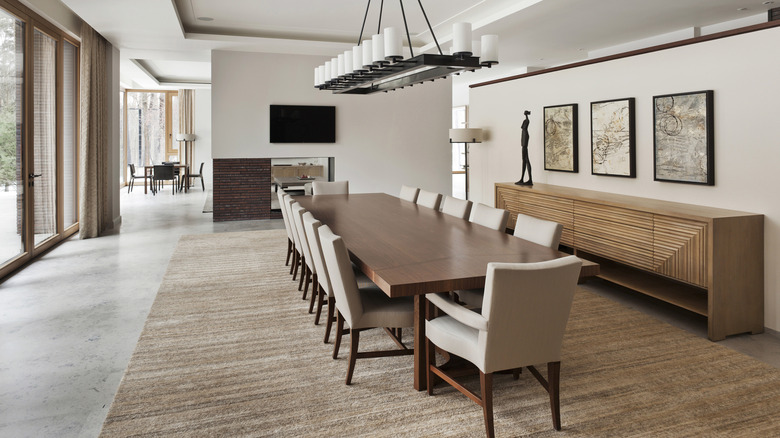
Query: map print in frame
[683, 138]
[613, 147]
[560, 138]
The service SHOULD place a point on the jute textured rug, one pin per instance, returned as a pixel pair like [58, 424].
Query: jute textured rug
[230, 350]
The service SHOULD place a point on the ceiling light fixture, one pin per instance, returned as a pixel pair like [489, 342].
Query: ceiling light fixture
[377, 64]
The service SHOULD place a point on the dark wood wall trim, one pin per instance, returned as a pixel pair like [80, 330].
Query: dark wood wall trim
[686, 42]
[242, 189]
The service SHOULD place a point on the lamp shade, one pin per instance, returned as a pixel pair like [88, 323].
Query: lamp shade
[185, 137]
[466, 135]
[461, 39]
[489, 49]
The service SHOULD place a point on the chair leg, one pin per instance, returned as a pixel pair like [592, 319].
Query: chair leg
[553, 385]
[307, 282]
[294, 258]
[354, 337]
[303, 274]
[339, 332]
[202, 184]
[289, 252]
[430, 360]
[486, 386]
[329, 323]
[314, 292]
[320, 301]
[296, 263]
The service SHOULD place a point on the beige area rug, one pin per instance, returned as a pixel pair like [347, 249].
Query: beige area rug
[230, 350]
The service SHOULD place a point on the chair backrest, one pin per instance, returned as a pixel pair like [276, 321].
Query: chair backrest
[162, 172]
[527, 306]
[409, 193]
[330, 188]
[429, 199]
[132, 169]
[342, 278]
[280, 195]
[456, 207]
[543, 232]
[200, 172]
[305, 249]
[288, 202]
[311, 226]
[490, 217]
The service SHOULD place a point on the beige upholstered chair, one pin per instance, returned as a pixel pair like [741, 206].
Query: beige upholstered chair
[361, 308]
[429, 199]
[490, 217]
[290, 242]
[309, 273]
[298, 254]
[521, 325]
[330, 188]
[409, 193]
[456, 207]
[535, 230]
[312, 226]
[543, 232]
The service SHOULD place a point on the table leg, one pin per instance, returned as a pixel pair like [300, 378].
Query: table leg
[420, 373]
[146, 176]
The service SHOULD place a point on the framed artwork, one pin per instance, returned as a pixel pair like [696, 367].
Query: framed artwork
[683, 146]
[612, 132]
[560, 138]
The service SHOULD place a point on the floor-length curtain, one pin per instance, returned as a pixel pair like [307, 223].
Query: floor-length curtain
[94, 209]
[187, 119]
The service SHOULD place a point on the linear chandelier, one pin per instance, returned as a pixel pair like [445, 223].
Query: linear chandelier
[377, 64]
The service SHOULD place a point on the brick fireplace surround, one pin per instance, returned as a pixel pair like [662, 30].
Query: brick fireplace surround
[242, 189]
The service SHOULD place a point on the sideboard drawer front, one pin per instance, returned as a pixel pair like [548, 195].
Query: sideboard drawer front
[680, 249]
[617, 215]
[640, 257]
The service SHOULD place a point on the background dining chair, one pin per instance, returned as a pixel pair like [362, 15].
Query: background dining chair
[522, 324]
[290, 242]
[160, 174]
[330, 188]
[195, 175]
[297, 254]
[490, 217]
[309, 273]
[456, 207]
[133, 177]
[409, 193]
[539, 231]
[361, 308]
[428, 199]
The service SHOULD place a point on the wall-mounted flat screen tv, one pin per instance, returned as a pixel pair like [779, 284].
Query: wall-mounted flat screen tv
[303, 124]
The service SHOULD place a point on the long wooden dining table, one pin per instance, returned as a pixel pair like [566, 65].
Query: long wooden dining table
[411, 250]
[184, 171]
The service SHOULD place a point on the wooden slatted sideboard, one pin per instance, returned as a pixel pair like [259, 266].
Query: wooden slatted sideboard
[707, 260]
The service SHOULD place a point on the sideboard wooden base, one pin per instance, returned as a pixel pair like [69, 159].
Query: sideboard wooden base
[707, 260]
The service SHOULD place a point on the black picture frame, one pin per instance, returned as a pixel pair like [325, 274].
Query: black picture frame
[683, 138]
[613, 137]
[561, 138]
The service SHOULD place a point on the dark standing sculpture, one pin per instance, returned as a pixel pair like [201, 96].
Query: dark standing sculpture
[526, 162]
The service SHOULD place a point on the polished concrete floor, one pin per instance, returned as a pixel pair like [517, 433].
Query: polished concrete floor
[70, 321]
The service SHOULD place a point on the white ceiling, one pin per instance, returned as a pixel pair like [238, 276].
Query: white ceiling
[168, 44]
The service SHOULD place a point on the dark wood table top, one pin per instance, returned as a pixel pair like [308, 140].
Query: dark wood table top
[407, 249]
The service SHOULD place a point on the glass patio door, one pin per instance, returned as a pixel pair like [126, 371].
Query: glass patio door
[43, 174]
[12, 225]
[38, 136]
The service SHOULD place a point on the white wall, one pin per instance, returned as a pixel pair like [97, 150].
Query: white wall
[382, 140]
[742, 71]
[201, 148]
